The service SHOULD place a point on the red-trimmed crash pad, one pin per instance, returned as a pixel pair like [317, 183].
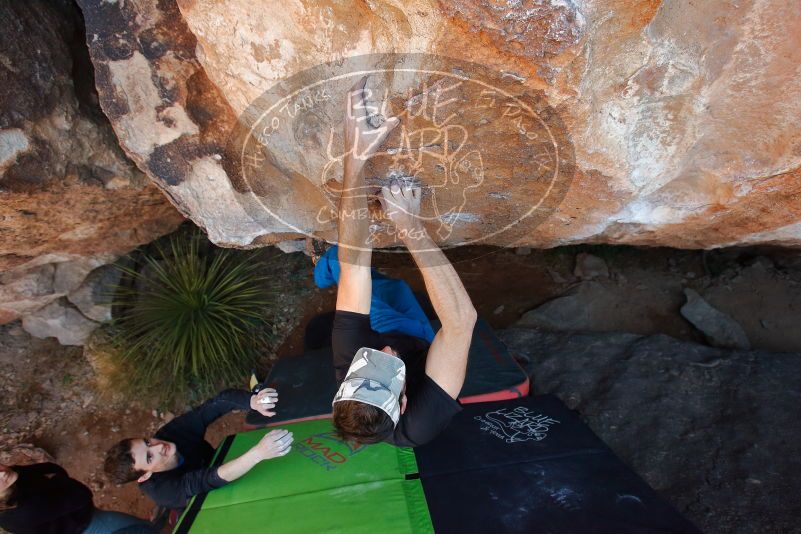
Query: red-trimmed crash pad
[517, 466]
[306, 384]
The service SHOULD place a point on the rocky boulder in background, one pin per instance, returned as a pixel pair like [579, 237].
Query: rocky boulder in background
[718, 328]
[618, 121]
[714, 431]
[70, 200]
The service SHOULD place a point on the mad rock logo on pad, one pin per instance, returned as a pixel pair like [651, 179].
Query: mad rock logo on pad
[326, 450]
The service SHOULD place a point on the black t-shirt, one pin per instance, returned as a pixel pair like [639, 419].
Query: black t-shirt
[47, 501]
[173, 489]
[429, 408]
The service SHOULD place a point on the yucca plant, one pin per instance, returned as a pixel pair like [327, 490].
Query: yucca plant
[187, 320]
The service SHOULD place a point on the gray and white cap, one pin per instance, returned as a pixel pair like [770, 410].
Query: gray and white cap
[375, 378]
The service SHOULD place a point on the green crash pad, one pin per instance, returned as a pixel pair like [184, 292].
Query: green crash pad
[322, 485]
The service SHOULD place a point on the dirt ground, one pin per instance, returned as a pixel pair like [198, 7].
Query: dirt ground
[49, 399]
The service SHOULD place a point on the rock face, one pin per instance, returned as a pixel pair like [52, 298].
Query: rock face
[60, 320]
[70, 201]
[714, 431]
[589, 267]
[719, 329]
[581, 308]
[620, 121]
[24, 454]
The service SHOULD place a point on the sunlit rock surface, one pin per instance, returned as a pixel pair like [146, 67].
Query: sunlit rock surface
[618, 121]
[70, 201]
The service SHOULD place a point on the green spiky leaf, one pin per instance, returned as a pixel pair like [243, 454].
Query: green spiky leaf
[188, 319]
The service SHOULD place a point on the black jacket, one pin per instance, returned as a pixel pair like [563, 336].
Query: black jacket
[47, 501]
[174, 488]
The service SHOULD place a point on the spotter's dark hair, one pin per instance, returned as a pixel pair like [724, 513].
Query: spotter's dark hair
[119, 464]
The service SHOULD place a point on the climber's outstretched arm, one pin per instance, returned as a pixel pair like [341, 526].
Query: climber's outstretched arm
[355, 250]
[355, 253]
[446, 363]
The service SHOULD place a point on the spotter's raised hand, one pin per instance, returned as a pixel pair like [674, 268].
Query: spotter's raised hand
[264, 401]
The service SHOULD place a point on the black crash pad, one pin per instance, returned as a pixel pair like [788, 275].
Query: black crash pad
[530, 465]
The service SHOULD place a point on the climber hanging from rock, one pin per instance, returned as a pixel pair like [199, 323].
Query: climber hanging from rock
[399, 381]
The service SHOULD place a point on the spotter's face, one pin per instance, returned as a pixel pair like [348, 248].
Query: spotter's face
[154, 455]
